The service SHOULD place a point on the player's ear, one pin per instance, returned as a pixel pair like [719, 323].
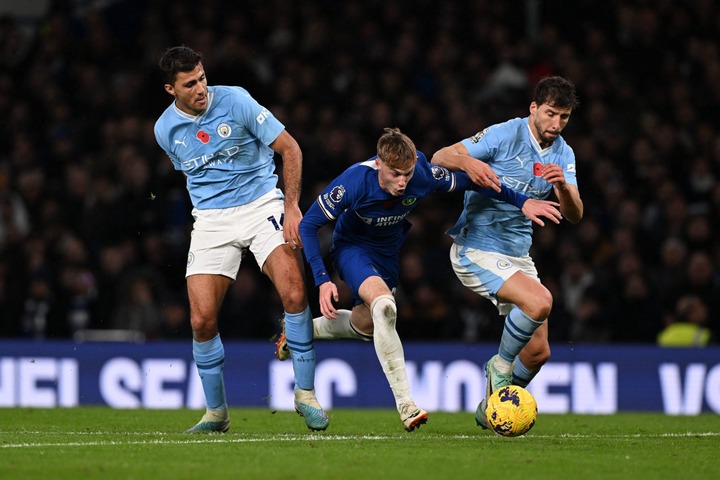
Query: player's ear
[533, 107]
[169, 88]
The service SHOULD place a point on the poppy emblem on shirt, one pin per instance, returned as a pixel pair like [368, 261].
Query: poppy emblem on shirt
[537, 169]
[224, 130]
[387, 204]
[203, 136]
[337, 193]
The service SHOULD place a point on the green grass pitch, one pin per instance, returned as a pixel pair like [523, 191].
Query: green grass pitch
[102, 443]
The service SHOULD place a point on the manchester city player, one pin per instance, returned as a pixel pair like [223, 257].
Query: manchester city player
[490, 253]
[224, 142]
[369, 203]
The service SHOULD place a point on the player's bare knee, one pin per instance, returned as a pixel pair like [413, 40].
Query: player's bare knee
[540, 307]
[294, 300]
[546, 304]
[384, 310]
[203, 329]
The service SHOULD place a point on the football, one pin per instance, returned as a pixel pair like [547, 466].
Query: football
[511, 411]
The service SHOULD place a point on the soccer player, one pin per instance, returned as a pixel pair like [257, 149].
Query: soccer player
[369, 203]
[224, 142]
[490, 253]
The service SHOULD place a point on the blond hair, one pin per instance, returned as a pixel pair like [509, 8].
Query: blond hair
[396, 149]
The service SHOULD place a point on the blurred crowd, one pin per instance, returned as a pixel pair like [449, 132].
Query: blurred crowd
[94, 221]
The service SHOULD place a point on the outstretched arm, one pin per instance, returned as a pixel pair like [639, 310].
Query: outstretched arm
[457, 158]
[530, 207]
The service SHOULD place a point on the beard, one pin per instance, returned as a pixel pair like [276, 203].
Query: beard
[545, 140]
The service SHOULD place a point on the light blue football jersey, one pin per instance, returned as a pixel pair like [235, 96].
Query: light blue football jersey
[516, 157]
[224, 151]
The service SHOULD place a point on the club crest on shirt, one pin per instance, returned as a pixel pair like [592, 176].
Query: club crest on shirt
[190, 259]
[476, 138]
[408, 201]
[224, 130]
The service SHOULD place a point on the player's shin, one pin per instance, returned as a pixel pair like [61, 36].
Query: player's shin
[390, 352]
[299, 333]
[210, 360]
[517, 332]
[388, 347]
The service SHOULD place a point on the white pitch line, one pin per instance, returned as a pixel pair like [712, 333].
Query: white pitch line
[317, 437]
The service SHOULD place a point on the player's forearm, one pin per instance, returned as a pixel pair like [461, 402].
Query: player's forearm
[571, 206]
[286, 146]
[505, 194]
[292, 176]
[313, 255]
[449, 158]
[309, 228]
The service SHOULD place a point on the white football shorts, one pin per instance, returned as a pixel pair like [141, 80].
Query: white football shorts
[220, 236]
[485, 272]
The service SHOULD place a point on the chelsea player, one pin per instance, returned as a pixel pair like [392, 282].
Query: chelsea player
[490, 253]
[369, 203]
[224, 142]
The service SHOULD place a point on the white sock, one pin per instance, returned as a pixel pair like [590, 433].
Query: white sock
[388, 347]
[341, 327]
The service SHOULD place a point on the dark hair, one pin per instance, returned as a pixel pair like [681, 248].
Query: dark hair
[557, 92]
[396, 149]
[178, 59]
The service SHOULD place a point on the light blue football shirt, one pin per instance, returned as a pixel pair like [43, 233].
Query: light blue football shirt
[516, 157]
[224, 152]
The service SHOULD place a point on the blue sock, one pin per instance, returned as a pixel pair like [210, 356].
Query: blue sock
[210, 360]
[516, 334]
[299, 334]
[521, 375]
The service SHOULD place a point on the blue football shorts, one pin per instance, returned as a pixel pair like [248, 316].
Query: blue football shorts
[356, 264]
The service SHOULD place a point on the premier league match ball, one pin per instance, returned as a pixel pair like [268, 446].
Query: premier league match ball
[511, 411]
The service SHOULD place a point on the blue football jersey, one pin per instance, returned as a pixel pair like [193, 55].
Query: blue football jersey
[224, 151]
[512, 152]
[368, 216]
